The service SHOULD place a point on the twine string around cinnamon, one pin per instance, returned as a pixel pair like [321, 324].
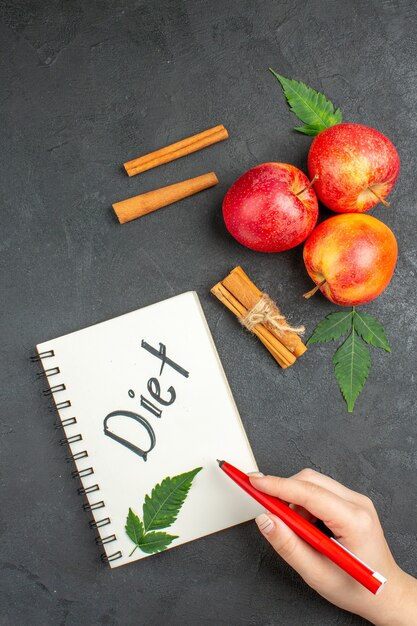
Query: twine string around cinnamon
[266, 311]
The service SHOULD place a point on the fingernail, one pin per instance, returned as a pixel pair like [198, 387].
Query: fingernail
[255, 474]
[265, 524]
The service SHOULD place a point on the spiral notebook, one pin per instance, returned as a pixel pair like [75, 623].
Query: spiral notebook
[142, 398]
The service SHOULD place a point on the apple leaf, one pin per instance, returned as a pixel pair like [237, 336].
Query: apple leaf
[134, 527]
[155, 542]
[351, 366]
[352, 359]
[160, 510]
[370, 330]
[333, 326]
[312, 131]
[310, 106]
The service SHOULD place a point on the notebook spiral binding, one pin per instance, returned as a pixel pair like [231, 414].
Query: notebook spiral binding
[88, 471]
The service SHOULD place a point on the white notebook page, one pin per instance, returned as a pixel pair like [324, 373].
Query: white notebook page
[106, 369]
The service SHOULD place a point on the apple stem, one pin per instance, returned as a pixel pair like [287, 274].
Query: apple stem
[384, 202]
[309, 185]
[310, 293]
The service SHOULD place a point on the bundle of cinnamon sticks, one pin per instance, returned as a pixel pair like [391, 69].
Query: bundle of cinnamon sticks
[241, 296]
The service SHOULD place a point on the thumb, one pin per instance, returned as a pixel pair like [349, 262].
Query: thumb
[296, 552]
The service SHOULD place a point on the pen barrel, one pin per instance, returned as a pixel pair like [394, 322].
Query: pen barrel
[351, 564]
[331, 548]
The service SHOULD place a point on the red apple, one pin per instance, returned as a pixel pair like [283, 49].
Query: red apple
[356, 167]
[352, 257]
[271, 208]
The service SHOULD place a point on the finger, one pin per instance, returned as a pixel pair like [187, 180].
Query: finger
[296, 552]
[304, 513]
[336, 512]
[332, 485]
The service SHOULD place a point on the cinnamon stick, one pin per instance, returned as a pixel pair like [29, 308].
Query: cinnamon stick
[135, 207]
[248, 294]
[176, 150]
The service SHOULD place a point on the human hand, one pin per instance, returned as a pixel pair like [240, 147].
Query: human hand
[354, 522]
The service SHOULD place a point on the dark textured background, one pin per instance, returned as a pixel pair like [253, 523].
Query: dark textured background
[87, 85]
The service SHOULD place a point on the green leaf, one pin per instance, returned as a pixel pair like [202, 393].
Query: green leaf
[351, 365]
[370, 330]
[159, 511]
[155, 542]
[147, 542]
[308, 130]
[162, 507]
[310, 106]
[134, 527]
[332, 327]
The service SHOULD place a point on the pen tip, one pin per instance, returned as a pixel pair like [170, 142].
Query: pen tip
[219, 462]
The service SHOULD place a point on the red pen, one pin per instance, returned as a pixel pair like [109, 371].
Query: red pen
[328, 546]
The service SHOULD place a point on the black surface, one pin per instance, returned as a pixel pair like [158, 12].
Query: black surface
[87, 85]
